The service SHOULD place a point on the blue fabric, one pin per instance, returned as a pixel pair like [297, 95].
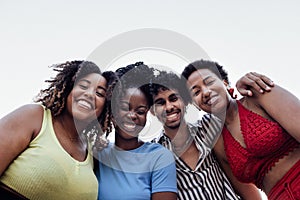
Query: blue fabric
[135, 174]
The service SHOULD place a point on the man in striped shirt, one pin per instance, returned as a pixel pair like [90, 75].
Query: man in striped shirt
[199, 175]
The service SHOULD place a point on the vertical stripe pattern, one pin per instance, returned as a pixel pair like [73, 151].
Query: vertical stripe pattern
[207, 181]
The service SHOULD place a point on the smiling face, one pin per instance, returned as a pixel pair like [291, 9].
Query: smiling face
[131, 114]
[87, 98]
[208, 91]
[169, 108]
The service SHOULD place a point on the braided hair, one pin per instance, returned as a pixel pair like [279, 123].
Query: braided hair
[54, 97]
[136, 75]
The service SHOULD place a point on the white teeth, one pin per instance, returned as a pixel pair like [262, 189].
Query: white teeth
[172, 116]
[85, 104]
[211, 101]
[130, 126]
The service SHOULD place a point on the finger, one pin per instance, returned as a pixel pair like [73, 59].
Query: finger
[244, 92]
[257, 83]
[263, 81]
[245, 83]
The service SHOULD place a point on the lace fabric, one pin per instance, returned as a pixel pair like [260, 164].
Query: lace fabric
[266, 142]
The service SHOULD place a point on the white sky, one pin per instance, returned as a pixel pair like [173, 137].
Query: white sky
[261, 36]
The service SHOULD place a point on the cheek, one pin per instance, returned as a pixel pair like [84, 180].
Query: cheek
[197, 100]
[143, 119]
[159, 111]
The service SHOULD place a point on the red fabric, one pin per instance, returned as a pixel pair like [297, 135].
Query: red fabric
[288, 188]
[266, 142]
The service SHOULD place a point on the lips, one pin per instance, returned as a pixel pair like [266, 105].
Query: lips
[85, 104]
[129, 126]
[172, 116]
[211, 100]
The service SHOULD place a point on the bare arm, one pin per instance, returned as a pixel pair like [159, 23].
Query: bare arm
[253, 81]
[283, 107]
[16, 131]
[164, 196]
[244, 190]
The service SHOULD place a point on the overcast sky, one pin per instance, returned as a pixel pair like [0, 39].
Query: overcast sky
[261, 36]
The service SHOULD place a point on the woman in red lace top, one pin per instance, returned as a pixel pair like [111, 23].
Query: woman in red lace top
[260, 139]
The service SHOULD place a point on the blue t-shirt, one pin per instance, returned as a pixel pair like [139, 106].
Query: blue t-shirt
[135, 174]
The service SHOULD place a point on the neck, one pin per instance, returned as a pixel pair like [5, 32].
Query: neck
[66, 126]
[172, 133]
[231, 111]
[180, 137]
[127, 144]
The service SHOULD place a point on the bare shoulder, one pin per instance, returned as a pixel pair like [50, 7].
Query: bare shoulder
[26, 117]
[252, 104]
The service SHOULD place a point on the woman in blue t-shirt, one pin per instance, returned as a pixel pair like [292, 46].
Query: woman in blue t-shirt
[130, 168]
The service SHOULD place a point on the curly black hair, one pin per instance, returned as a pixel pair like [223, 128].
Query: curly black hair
[170, 81]
[205, 64]
[54, 97]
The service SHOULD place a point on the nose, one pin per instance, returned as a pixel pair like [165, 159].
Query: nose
[169, 106]
[131, 115]
[89, 93]
[206, 92]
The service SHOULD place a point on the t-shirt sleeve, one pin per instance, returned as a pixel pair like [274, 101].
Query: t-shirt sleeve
[164, 174]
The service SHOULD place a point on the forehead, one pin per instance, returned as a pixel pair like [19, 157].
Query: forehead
[199, 75]
[133, 94]
[94, 78]
[165, 93]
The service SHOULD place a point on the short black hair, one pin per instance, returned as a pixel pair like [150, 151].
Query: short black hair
[170, 81]
[205, 64]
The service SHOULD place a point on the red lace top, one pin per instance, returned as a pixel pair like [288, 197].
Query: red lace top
[266, 142]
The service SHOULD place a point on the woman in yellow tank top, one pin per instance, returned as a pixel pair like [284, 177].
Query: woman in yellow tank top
[44, 148]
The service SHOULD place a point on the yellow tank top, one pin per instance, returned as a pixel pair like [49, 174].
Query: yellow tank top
[46, 171]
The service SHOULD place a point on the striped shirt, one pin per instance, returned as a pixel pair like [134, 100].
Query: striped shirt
[207, 181]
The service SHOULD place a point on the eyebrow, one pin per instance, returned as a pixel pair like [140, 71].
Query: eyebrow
[89, 82]
[100, 87]
[174, 95]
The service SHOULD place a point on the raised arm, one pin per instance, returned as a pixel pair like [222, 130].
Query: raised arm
[253, 81]
[282, 106]
[17, 129]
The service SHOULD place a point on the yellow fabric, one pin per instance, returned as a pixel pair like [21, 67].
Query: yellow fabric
[46, 171]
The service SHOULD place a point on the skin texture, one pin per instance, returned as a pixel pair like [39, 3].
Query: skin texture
[268, 105]
[130, 120]
[131, 116]
[169, 108]
[21, 126]
[169, 101]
